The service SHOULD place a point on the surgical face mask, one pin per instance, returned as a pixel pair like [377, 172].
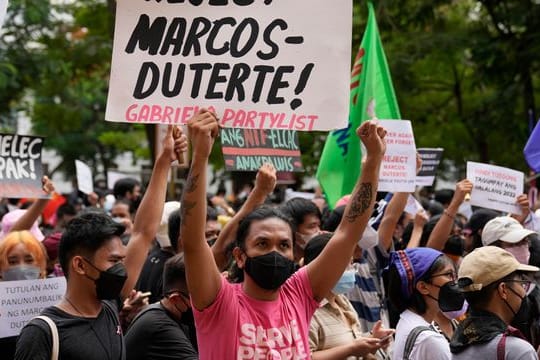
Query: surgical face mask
[269, 271]
[521, 253]
[21, 272]
[110, 282]
[346, 283]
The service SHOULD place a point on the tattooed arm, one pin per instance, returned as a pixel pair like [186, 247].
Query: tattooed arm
[328, 267]
[203, 277]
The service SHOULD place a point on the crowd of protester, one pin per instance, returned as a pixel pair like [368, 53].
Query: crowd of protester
[210, 276]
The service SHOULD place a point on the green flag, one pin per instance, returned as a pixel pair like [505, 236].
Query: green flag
[372, 95]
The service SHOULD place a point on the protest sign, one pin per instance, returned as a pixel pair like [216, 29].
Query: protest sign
[256, 63]
[413, 206]
[495, 187]
[431, 157]
[21, 300]
[3, 9]
[248, 149]
[114, 176]
[85, 180]
[398, 168]
[20, 166]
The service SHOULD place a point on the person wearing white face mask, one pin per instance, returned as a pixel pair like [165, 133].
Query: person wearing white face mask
[335, 331]
[507, 233]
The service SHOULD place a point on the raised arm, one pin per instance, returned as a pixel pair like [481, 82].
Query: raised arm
[148, 217]
[202, 274]
[391, 216]
[26, 221]
[264, 185]
[327, 268]
[444, 226]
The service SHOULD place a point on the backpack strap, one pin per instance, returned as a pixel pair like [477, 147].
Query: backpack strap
[54, 333]
[411, 339]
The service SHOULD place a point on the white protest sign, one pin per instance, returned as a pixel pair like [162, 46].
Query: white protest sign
[413, 206]
[21, 300]
[85, 179]
[398, 168]
[3, 9]
[256, 63]
[113, 176]
[495, 187]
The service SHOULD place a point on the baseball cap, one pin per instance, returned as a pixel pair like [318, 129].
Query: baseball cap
[485, 265]
[11, 218]
[162, 235]
[412, 265]
[479, 219]
[504, 228]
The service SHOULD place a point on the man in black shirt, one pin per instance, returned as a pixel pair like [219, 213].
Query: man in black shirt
[100, 272]
[160, 331]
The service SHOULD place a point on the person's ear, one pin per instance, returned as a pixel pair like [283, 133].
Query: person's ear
[239, 257]
[422, 288]
[502, 289]
[77, 265]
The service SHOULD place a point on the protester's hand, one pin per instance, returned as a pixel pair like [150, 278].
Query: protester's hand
[180, 143]
[133, 304]
[47, 185]
[463, 188]
[421, 218]
[381, 333]
[265, 181]
[523, 203]
[203, 130]
[365, 345]
[418, 163]
[174, 145]
[372, 136]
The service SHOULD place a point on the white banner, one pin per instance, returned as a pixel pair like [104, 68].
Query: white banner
[85, 180]
[21, 300]
[398, 168]
[256, 63]
[495, 187]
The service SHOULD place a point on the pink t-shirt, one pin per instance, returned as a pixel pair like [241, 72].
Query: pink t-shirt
[237, 326]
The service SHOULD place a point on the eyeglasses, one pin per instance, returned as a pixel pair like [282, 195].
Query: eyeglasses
[525, 284]
[450, 274]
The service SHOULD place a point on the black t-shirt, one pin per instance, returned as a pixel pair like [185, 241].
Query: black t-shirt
[155, 334]
[151, 278]
[82, 338]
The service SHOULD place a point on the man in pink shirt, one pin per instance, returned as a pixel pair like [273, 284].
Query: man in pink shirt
[267, 315]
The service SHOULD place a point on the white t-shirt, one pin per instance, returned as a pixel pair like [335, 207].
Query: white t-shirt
[428, 345]
[514, 349]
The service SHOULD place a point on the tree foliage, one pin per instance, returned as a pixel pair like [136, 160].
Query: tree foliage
[465, 72]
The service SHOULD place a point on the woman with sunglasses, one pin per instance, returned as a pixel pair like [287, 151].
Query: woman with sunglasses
[421, 283]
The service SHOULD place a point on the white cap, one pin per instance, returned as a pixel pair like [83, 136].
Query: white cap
[162, 235]
[504, 228]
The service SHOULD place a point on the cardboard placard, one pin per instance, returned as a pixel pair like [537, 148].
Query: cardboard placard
[248, 149]
[21, 300]
[20, 166]
[398, 168]
[431, 158]
[85, 180]
[495, 187]
[257, 64]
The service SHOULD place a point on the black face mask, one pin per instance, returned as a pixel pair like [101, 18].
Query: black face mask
[450, 298]
[269, 271]
[524, 312]
[110, 282]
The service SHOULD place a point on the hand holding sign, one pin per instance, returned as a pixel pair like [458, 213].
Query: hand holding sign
[523, 202]
[372, 136]
[48, 185]
[203, 130]
[180, 143]
[463, 188]
[174, 143]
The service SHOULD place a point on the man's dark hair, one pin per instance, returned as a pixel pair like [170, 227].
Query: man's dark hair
[298, 208]
[211, 213]
[259, 214]
[174, 274]
[444, 196]
[65, 209]
[315, 246]
[85, 234]
[173, 228]
[123, 186]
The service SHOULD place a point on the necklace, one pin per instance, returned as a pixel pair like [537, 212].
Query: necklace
[73, 306]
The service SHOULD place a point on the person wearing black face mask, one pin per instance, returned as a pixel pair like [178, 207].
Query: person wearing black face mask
[495, 285]
[164, 329]
[100, 273]
[268, 314]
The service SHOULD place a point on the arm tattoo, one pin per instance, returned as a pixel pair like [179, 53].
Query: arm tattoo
[360, 202]
[186, 208]
[192, 181]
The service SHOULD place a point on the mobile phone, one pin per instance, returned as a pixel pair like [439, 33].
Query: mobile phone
[138, 300]
[383, 339]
